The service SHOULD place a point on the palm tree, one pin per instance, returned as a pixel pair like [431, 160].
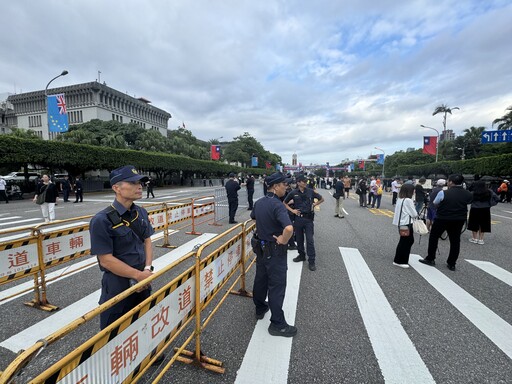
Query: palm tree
[444, 109]
[472, 139]
[505, 122]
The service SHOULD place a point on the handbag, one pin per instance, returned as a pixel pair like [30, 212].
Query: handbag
[336, 195]
[41, 197]
[419, 227]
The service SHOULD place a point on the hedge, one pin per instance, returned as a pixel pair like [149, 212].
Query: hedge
[79, 158]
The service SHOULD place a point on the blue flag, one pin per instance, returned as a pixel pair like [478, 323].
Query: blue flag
[380, 159]
[254, 161]
[57, 113]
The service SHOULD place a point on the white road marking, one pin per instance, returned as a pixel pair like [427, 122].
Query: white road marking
[493, 270]
[488, 322]
[70, 270]
[346, 213]
[398, 359]
[267, 358]
[10, 218]
[19, 221]
[63, 317]
[504, 217]
[33, 210]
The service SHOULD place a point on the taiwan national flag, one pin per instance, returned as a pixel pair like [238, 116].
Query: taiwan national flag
[57, 113]
[215, 155]
[429, 145]
[361, 164]
[268, 164]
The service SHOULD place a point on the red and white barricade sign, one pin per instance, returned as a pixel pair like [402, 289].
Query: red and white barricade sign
[18, 258]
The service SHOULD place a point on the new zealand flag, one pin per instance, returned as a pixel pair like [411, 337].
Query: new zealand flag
[57, 113]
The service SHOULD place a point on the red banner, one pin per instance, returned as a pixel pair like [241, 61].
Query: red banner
[215, 155]
[429, 145]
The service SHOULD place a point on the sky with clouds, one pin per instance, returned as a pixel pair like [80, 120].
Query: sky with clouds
[325, 79]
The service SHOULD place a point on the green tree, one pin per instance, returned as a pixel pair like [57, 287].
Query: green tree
[24, 133]
[504, 122]
[411, 158]
[444, 109]
[472, 141]
[113, 140]
[79, 136]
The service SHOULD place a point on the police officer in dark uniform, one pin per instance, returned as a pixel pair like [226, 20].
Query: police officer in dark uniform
[249, 184]
[232, 186]
[291, 185]
[120, 238]
[273, 230]
[303, 209]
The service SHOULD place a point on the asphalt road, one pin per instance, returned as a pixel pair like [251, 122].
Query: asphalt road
[360, 319]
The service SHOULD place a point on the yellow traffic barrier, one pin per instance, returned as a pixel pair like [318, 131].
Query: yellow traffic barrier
[126, 349]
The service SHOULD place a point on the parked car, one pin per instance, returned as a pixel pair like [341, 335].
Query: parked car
[20, 176]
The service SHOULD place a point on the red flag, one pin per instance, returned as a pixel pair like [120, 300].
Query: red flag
[215, 152]
[361, 164]
[268, 164]
[429, 145]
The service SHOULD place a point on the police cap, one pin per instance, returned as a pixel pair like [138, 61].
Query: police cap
[126, 173]
[276, 178]
[301, 178]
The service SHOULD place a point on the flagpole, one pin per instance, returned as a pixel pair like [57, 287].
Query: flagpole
[437, 142]
[383, 161]
[64, 73]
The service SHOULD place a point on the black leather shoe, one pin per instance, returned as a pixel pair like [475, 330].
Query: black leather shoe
[312, 267]
[260, 316]
[233, 222]
[287, 331]
[335, 215]
[299, 258]
[451, 267]
[427, 262]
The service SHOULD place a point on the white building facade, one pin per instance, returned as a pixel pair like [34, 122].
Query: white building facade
[85, 102]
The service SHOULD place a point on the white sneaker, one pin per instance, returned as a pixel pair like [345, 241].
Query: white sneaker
[474, 241]
[401, 265]
[481, 242]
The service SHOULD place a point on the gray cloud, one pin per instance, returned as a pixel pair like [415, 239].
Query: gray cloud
[327, 80]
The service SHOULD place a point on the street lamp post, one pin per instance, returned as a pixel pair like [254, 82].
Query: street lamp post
[437, 142]
[63, 73]
[384, 160]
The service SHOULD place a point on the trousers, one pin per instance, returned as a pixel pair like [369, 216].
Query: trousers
[453, 228]
[250, 194]
[270, 280]
[48, 210]
[403, 248]
[304, 228]
[233, 206]
[338, 209]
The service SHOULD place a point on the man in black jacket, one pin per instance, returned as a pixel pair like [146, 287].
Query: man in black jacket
[232, 186]
[249, 184]
[452, 211]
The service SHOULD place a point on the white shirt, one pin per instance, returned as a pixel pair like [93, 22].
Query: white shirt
[2, 185]
[408, 212]
[395, 186]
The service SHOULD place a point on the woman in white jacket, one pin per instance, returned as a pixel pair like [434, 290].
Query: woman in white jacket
[405, 212]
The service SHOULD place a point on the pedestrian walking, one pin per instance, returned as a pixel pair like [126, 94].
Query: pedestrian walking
[3, 193]
[232, 187]
[452, 210]
[46, 196]
[150, 184]
[79, 192]
[273, 231]
[405, 212]
[304, 204]
[479, 221]
[121, 240]
[347, 184]
[339, 192]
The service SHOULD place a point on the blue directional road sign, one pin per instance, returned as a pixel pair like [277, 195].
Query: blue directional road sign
[495, 137]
